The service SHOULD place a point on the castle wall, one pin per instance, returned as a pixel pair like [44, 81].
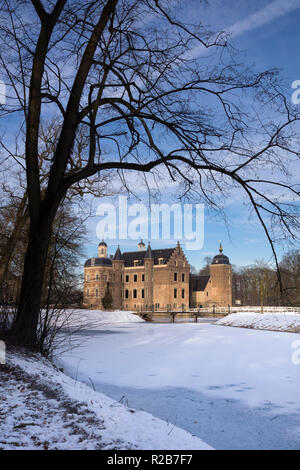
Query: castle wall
[95, 285]
[160, 286]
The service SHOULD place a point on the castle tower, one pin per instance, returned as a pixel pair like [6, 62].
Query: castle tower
[221, 279]
[118, 273]
[149, 263]
[102, 249]
[98, 277]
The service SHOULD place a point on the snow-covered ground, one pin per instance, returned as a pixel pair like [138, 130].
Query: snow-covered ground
[232, 387]
[42, 408]
[87, 318]
[283, 321]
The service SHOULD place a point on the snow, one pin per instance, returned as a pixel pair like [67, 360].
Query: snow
[99, 317]
[233, 387]
[42, 408]
[282, 321]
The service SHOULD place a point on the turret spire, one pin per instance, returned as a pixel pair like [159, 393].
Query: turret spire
[148, 252]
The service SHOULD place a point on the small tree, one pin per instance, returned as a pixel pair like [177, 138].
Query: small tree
[107, 300]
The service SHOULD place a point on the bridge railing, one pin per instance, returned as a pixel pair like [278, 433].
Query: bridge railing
[195, 313]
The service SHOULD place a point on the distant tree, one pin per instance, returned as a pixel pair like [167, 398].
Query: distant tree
[290, 269]
[256, 285]
[107, 300]
[205, 270]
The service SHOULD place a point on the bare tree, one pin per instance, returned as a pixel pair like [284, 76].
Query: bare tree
[14, 213]
[256, 285]
[148, 91]
[290, 269]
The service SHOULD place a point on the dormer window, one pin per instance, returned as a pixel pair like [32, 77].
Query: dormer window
[160, 261]
[136, 263]
[93, 262]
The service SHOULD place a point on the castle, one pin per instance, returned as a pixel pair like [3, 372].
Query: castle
[154, 280]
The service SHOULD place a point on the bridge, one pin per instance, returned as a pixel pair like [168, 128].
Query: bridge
[207, 314]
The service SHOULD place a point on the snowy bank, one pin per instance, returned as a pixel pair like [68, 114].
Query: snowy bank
[82, 318]
[42, 408]
[283, 321]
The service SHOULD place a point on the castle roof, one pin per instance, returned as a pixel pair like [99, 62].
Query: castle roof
[132, 256]
[98, 262]
[221, 258]
[198, 282]
[118, 255]
[102, 243]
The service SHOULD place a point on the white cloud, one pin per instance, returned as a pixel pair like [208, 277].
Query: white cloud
[265, 15]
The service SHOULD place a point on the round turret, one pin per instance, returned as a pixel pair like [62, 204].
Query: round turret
[220, 258]
[102, 249]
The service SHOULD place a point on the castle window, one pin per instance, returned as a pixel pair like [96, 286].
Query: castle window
[88, 292]
[182, 293]
[127, 278]
[135, 263]
[206, 294]
[175, 262]
[175, 293]
[88, 277]
[175, 276]
[143, 293]
[126, 294]
[143, 277]
[93, 262]
[182, 277]
[134, 293]
[96, 292]
[97, 277]
[135, 278]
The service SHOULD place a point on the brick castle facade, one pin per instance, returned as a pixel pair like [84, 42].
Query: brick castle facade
[154, 280]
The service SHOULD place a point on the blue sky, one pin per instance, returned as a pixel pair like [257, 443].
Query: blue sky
[268, 34]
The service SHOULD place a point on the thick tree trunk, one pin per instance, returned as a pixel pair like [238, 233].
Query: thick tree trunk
[25, 327]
